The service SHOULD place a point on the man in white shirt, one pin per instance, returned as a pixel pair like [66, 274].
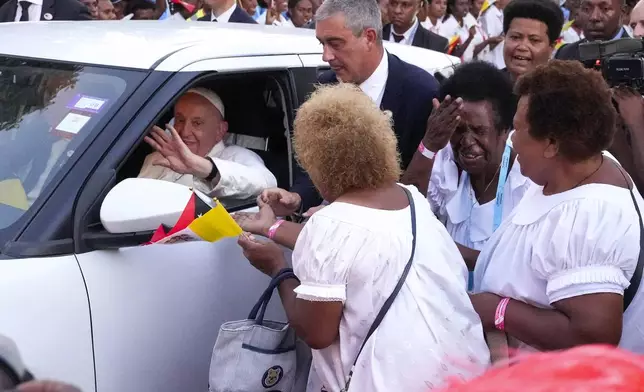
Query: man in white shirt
[194, 153]
[45, 10]
[351, 34]
[405, 28]
[226, 11]
[492, 23]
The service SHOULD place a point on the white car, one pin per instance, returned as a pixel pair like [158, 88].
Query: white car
[95, 308]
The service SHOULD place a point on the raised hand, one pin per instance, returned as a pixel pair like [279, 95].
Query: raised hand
[442, 123]
[176, 155]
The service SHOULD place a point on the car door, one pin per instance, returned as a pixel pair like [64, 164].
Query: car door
[156, 309]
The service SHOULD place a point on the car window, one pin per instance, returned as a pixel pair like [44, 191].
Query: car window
[47, 110]
[251, 155]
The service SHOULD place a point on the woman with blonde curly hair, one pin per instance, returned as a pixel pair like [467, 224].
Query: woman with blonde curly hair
[351, 255]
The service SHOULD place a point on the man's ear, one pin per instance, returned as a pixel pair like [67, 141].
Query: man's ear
[371, 35]
[223, 128]
[552, 149]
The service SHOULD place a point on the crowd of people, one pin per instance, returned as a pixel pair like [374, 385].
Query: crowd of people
[504, 199]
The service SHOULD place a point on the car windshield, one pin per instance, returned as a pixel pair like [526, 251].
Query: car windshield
[48, 109]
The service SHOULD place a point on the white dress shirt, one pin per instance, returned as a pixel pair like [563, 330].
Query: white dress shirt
[434, 28]
[243, 173]
[374, 86]
[408, 36]
[492, 23]
[225, 16]
[35, 10]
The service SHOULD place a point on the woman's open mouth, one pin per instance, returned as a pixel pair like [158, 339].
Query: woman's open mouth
[521, 59]
[469, 158]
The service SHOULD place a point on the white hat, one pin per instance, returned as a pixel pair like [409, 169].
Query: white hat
[11, 357]
[211, 96]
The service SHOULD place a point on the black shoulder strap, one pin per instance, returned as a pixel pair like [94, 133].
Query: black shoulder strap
[392, 297]
[631, 291]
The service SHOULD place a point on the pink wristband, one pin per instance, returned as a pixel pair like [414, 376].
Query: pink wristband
[499, 317]
[273, 229]
[426, 152]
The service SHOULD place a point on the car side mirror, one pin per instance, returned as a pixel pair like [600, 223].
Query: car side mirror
[142, 205]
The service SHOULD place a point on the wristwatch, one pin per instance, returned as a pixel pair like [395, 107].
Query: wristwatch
[213, 172]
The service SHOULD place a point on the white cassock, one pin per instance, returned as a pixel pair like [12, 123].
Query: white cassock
[243, 173]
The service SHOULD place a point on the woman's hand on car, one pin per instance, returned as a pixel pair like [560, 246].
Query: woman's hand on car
[442, 123]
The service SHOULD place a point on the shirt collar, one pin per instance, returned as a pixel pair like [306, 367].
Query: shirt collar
[225, 16]
[374, 86]
[217, 149]
[409, 34]
[619, 34]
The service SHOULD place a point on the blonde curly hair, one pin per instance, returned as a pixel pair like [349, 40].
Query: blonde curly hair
[345, 142]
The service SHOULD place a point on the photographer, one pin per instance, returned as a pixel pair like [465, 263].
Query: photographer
[602, 22]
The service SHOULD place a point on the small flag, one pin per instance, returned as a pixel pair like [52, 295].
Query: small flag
[453, 43]
[203, 219]
[200, 14]
[560, 41]
[13, 194]
[485, 6]
[188, 7]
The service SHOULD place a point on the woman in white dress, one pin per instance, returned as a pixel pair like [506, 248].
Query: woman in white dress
[467, 40]
[464, 180]
[434, 13]
[555, 273]
[350, 255]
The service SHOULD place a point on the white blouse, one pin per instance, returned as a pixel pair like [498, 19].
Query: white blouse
[452, 200]
[583, 241]
[434, 28]
[356, 255]
[451, 29]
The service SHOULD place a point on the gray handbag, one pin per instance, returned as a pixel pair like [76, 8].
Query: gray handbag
[257, 355]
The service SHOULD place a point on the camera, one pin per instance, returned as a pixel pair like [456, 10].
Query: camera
[621, 61]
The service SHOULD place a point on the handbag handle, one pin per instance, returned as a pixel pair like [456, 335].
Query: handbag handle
[258, 311]
[383, 311]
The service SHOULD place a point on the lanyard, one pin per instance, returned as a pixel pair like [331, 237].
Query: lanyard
[503, 175]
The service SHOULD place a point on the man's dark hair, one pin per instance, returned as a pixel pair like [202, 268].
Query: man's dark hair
[570, 104]
[545, 11]
[480, 81]
[139, 5]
